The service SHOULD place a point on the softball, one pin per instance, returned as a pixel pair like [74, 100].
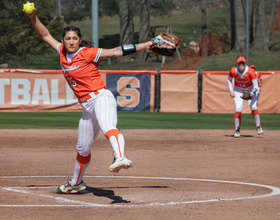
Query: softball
[28, 8]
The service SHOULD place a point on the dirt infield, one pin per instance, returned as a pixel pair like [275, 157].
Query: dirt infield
[176, 174]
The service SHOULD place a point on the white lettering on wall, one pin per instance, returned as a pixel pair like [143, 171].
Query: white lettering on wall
[70, 99]
[40, 92]
[20, 94]
[24, 92]
[55, 93]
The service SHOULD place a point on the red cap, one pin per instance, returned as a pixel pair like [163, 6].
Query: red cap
[253, 66]
[241, 59]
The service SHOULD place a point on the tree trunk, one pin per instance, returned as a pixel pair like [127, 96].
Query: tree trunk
[232, 23]
[126, 23]
[203, 12]
[240, 26]
[251, 21]
[144, 20]
[260, 42]
[270, 24]
[205, 39]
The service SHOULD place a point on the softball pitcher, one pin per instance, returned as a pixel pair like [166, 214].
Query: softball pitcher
[244, 79]
[79, 62]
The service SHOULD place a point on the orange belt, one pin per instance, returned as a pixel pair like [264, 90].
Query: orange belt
[88, 96]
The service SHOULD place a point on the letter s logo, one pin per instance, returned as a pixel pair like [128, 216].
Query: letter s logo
[129, 95]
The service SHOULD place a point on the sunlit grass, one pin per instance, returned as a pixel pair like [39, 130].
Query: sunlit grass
[136, 120]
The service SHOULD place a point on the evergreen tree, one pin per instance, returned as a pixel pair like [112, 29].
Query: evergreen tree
[17, 36]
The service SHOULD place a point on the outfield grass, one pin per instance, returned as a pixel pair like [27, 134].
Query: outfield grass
[135, 120]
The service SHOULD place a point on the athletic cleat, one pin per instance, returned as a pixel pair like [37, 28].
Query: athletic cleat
[67, 188]
[259, 130]
[120, 163]
[236, 134]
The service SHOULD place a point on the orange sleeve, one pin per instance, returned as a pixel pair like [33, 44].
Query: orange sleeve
[252, 74]
[231, 72]
[92, 54]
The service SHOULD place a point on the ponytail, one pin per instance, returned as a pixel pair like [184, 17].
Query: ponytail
[86, 43]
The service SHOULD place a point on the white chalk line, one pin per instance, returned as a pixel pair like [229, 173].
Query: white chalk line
[75, 203]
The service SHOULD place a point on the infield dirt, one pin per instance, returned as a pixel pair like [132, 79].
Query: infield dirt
[34, 162]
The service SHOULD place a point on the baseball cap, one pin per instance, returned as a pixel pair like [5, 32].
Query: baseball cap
[253, 66]
[241, 59]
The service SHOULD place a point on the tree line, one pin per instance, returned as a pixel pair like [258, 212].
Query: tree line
[17, 38]
[259, 32]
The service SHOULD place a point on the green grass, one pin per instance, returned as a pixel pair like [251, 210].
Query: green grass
[39, 119]
[135, 120]
[265, 61]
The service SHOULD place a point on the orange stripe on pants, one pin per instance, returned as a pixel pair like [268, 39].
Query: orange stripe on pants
[237, 117]
[82, 162]
[255, 112]
[114, 133]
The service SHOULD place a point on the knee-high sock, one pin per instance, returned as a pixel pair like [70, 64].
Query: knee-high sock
[237, 120]
[80, 167]
[256, 117]
[117, 142]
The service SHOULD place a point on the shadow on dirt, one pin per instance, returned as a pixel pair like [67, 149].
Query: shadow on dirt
[109, 193]
[105, 193]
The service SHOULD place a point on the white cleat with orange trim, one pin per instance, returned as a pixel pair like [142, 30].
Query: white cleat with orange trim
[67, 188]
[259, 130]
[236, 134]
[120, 163]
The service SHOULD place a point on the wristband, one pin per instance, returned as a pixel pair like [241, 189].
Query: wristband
[128, 49]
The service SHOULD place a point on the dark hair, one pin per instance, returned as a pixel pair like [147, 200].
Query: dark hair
[84, 42]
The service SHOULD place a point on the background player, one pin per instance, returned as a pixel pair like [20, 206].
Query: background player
[79, 62]
[244, 79]
[260, 80]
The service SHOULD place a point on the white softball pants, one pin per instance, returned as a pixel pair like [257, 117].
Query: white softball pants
[99, 113]
[238, 101]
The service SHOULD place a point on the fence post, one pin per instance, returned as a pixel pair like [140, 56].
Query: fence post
[157, 92]
[159, 89]
[199, 95]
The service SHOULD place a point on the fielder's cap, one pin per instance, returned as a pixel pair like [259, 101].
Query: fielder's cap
[253, 66]
[241, 59]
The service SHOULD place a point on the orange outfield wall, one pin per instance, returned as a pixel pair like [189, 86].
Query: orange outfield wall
[179, 91]
[216, 98]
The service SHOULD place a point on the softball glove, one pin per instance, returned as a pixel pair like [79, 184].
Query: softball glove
[246, 95]
[164, 44]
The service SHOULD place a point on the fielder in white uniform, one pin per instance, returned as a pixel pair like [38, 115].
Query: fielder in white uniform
[244, 79]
